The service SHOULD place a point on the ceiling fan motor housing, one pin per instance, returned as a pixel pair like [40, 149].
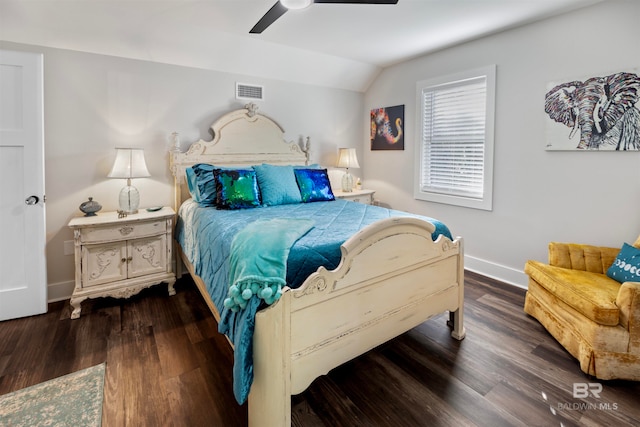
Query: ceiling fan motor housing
[295, 4]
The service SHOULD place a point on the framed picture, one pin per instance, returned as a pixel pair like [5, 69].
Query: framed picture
[387, 128]
[594, 113]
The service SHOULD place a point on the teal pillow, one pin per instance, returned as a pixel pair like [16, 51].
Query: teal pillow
[192, 183]
[314, 185]
[626, 267]
[201, 183]
[277, 185]
[236, 188]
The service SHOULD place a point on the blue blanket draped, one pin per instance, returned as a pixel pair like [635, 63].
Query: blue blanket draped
[258, 268]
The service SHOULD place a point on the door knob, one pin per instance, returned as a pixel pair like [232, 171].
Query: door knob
[32, 200]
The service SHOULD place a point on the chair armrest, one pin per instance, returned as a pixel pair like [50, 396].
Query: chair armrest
[594, 259]
[628, 301]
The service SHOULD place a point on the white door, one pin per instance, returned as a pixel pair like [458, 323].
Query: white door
[23, 278]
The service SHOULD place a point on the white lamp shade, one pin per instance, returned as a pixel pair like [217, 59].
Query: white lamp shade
[347, 158]
[295, 4]
[129, 163]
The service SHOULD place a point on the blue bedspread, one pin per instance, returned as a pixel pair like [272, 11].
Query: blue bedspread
[205, 235]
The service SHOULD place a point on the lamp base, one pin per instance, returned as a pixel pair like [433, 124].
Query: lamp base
[129, 200]
[347, 182]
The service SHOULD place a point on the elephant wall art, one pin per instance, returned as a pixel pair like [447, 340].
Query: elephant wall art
[387, 128]
[599, 113]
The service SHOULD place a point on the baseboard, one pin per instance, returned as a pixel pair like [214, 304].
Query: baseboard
[500, 272]
[63, 290]
[60, 291]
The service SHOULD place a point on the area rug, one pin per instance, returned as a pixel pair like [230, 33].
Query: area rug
[71, 400]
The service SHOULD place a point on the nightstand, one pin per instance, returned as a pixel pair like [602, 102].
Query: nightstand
[360, 196]
[119, 257]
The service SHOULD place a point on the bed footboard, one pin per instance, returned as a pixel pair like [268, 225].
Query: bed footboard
[391, 278]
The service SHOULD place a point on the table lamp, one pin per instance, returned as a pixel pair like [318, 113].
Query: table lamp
[347, 159]
[129, 164]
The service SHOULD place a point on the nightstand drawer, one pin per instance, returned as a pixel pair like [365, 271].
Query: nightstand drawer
[127, 231]
[358, 196]
[366, 200]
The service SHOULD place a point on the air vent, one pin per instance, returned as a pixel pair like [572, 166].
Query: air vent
[246, 91]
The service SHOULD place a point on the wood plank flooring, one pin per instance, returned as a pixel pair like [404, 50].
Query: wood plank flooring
[168, 366]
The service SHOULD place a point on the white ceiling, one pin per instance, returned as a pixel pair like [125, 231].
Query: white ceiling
[336, 45]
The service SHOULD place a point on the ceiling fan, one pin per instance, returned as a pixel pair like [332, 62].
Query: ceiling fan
[278, 9]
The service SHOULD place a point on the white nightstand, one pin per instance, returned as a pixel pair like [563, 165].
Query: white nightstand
[360, 196]
[119, 257]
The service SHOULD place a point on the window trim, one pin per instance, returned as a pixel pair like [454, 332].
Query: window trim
[486, 202]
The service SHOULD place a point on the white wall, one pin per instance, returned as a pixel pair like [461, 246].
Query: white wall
[539, 196]
[94, 103]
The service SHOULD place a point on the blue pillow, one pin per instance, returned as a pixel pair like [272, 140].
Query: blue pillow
[314, 185]
[277, 185]
[626, 267]
[201, 183]
[236, 188]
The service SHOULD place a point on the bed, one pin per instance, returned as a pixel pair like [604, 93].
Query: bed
[390, 275]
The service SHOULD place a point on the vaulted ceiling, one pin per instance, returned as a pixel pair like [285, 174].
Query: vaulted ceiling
[335, 45]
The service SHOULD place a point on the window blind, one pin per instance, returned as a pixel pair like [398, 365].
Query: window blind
[454, 138]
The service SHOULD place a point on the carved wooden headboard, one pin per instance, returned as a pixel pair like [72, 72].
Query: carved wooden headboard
[240, 138]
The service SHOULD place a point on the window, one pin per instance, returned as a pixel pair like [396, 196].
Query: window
[455, 147]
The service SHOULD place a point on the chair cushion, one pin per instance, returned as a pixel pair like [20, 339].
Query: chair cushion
[592, 294]
[595, 259]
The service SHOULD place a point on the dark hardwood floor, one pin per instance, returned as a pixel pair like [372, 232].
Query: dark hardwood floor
[167, 365]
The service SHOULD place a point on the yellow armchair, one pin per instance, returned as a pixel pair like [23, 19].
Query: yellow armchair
[594, 317]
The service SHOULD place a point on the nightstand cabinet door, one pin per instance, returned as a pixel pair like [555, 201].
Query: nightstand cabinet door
[147, 256]
[103, 263]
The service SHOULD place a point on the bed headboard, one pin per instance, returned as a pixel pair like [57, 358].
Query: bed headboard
[240, 138]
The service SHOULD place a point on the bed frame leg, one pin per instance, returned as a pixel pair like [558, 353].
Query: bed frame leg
[270, 396]
[276, 413]
[456, 324]
[456, 318]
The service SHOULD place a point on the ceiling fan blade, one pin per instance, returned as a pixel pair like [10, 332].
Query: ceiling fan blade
[276, 11]
[357, 2]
